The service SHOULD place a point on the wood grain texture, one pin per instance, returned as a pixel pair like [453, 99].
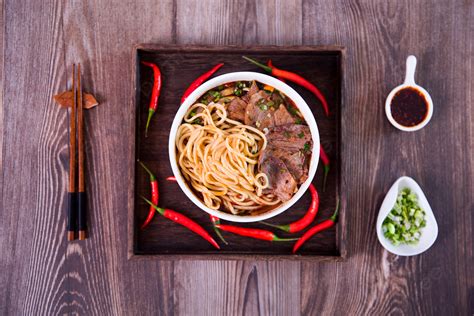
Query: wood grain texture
[415, 285]
[43, 274]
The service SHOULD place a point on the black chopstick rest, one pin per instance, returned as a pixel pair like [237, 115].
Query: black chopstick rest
[82, 214]
[71, 215]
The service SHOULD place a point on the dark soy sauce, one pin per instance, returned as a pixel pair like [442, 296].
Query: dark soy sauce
[409, 107]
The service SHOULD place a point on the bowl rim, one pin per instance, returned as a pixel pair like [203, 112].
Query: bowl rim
[245, 76]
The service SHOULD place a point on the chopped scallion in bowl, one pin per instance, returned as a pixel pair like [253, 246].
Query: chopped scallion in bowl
[406, 219]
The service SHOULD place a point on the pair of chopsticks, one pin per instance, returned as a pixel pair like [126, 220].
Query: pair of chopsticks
[76, 215]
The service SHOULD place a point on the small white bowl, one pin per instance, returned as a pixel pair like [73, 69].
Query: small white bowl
[429, 233]
[245, 76]
[409, 82]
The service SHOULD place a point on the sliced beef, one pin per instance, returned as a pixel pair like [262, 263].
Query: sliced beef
[253, 89]
[282, 116]
[296, 162]
[291, 137]
[277, 98]
[292, 144]
[257, 113]
[236, 109]
[297, 165]
[280, 180]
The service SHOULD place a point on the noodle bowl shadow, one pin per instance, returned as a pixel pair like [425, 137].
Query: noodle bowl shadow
[245, 76]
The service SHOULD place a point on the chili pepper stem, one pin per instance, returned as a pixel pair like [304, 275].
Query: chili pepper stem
[285, 228]
[150, 114]
[158, 209]
[218, 233]
[284, 239]
[266, 68]
[326, 171]
[334, 216]
[152, 176]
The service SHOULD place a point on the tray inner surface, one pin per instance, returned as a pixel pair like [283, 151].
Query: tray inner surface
[179, 69]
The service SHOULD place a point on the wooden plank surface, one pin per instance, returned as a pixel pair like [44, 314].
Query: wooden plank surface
[43, 274]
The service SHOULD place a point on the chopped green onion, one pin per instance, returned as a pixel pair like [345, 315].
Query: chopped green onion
[404, 222]
[306, 147]
[215, 95]
[262, 105]
[301, 135]
[293, 111]
[197, 121]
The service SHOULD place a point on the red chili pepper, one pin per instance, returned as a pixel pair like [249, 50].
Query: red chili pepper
[185, 221]
[293, 77]
[270, 64]
[253, 233]
[325, 160]
[215, 220]
[316, 229]
[307, 219]
[155, 94]
[196, 83]
[154, 195]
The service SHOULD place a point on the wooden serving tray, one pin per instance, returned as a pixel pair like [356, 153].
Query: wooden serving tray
[180, 65]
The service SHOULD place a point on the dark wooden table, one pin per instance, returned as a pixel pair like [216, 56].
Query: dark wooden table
[41, 273]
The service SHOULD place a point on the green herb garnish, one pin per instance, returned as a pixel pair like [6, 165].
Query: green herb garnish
[293, 111]
[298, 121]
[287, 134]
[404, 222]
[262, 105]
[306, 147]
[215, 94]
[197, 121]
[301, 135]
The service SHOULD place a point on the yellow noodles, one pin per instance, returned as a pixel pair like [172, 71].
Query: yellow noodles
[218, 157]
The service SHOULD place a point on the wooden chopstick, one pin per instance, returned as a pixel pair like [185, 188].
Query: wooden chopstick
[71, 213]
[81, 202]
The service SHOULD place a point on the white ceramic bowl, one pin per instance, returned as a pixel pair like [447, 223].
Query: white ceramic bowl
[429, 233]
[245, 76]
